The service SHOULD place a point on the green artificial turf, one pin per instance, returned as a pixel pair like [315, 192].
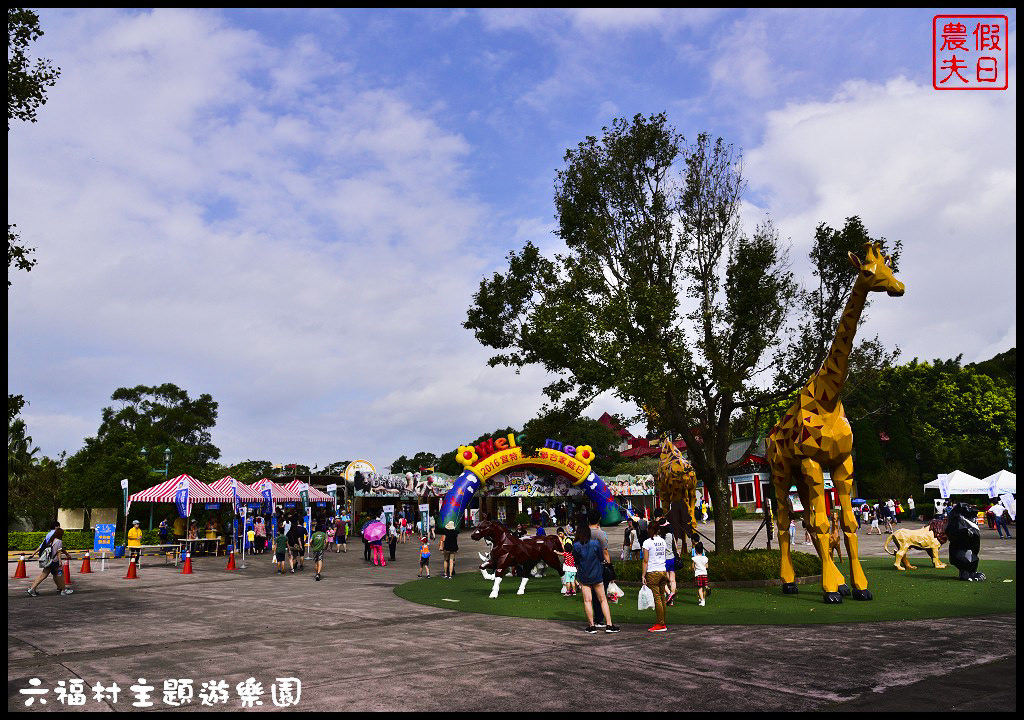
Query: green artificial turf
[911, 595]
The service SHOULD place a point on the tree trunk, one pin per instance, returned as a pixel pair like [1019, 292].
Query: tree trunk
[721, 500]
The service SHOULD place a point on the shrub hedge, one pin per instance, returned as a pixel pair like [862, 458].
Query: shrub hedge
[739, 565]
[73, 539]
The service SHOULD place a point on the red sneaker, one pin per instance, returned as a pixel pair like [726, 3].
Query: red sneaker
[657, 628]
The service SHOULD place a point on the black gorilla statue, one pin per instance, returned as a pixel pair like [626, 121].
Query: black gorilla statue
[964, 541]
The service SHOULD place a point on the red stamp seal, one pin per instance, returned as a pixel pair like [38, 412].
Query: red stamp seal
[970, 52]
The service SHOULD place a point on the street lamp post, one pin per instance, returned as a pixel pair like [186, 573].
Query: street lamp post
[165, 471]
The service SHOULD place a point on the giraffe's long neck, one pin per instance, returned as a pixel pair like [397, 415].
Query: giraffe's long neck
[832, 376]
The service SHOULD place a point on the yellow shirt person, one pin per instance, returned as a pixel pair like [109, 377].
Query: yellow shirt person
[135, 535]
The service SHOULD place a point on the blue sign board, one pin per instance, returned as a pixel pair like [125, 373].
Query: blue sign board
[104, 537]
[213, 506]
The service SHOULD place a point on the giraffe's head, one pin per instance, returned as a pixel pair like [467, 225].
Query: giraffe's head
[672, 459]
[876, 270]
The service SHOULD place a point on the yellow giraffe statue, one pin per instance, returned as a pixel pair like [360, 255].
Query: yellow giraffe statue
[815, 435]
[677, 485]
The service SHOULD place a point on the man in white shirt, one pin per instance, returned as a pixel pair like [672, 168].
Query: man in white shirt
[910, 508]
[999, 512]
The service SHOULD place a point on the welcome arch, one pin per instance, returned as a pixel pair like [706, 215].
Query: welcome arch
[492, 457]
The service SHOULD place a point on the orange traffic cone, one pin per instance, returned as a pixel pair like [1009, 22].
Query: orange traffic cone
[187, 569]
[86, 566]
[132, 572]
[67, 573]
[231, 561]
[20, 571]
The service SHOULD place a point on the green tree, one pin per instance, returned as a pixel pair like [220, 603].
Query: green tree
[575, 431]
[420, 460]
[938, 416]
[38, 496]
[20, 460]
[661, 297]
[26, 92]
[153, 418]
[1001, 368]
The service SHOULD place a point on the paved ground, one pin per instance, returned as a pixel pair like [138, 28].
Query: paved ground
[356, 646]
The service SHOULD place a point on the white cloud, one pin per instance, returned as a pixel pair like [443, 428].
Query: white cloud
[935, 169]
[302, 261]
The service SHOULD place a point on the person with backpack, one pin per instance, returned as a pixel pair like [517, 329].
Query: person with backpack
[49, 563]
[318, 545]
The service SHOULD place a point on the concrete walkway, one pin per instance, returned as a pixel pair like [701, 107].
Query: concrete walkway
[357, 646]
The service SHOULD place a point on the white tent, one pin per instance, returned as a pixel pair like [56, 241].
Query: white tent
[960, 483]
[1006, 482]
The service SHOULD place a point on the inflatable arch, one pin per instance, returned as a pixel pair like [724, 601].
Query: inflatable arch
[491, 457]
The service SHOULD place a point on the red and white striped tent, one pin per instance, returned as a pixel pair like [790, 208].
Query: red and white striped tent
[198, 492]
[314, 494]
[245, 493]
[280, 494]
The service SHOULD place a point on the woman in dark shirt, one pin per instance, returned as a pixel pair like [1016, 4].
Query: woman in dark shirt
[589, 556]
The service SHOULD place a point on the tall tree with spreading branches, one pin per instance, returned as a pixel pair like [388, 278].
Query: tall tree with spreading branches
[661, 297]
[26, 93]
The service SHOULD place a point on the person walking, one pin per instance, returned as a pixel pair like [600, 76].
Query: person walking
[424, 557]
[318, 545]
[341, 533]
[296, 537]
[700, 572]
[887, 516]
[280, 549]
[911, 508]
[654, 574]
[449, 545]
[393, 531]
[588, 556]
[260, 530]
[49, 562]
[874, 522]
[377, 547]
[999, 514]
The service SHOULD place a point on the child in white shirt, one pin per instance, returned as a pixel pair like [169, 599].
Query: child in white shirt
[700, 572]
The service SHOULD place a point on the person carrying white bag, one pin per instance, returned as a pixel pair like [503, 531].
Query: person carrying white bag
[654, 573]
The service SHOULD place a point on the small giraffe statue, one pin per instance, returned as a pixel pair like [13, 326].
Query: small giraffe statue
[677, 484]
[815, 434]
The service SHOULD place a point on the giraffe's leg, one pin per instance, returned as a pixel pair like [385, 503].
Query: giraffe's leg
[842, 477]
[780, 484]
[690, 498]
[814, 483]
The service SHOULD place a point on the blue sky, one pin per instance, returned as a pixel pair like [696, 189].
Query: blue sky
[291, 209]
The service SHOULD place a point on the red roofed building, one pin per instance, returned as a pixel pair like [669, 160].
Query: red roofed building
[750, 480]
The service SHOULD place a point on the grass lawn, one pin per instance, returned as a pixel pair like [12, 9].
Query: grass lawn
[923, 593]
